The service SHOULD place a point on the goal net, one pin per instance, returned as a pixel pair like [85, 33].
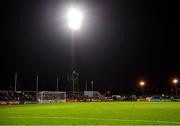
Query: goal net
[51, 96]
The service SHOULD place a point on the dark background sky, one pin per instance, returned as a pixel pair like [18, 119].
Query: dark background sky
[120, 43]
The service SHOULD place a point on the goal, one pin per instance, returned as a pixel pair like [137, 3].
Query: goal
[51, 96]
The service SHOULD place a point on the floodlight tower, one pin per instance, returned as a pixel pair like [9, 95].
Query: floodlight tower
[74, 18]
[175, 82]
[142, 85]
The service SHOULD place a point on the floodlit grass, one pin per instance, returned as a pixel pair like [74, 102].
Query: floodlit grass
[92, 113]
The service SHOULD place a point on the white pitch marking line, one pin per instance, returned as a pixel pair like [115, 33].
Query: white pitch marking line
[54, 117]
[87, 125]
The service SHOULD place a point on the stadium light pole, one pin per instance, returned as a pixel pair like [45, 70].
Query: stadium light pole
[92, 84]
[86, 85]
[74, 18]
[15, 82]
[142, 85]
[57, 83]
[175, 82]
[37, 83]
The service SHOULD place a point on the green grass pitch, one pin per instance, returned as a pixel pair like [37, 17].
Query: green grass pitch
[92, 113]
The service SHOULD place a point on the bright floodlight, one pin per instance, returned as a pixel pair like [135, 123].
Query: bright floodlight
[74, 17]
[142, 83]
[175, 81]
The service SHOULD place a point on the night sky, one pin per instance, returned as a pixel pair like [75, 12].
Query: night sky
[120, 43]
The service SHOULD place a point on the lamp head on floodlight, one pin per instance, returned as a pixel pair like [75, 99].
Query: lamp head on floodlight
[175, 81]
[74, 17]
[142, 83]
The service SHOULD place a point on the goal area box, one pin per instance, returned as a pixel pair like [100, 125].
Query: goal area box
[51, 96]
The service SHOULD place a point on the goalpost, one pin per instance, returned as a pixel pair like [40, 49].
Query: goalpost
[51, 96]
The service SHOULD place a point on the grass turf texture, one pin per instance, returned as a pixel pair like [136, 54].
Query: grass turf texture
[92, 113]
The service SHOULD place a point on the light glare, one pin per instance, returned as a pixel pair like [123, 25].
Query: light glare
[142, 83]
[74, 17]
[175, 81]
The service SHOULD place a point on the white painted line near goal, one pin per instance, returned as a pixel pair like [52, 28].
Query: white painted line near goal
[88, 125]
[97, 119]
